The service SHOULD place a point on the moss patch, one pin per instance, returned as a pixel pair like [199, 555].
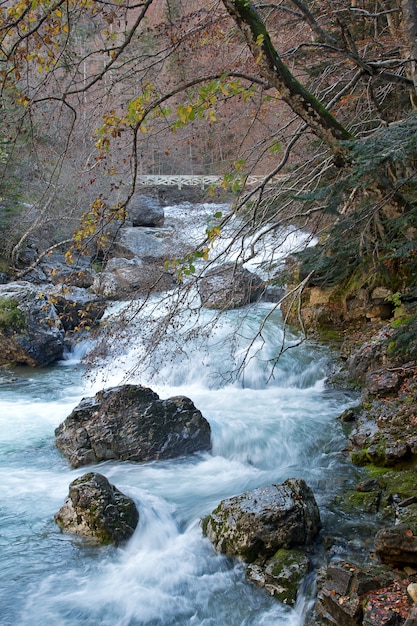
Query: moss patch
[11, 318]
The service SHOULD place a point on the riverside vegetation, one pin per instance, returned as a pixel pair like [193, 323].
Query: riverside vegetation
[209, 88]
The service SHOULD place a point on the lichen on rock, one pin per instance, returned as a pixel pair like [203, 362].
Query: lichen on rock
[96, 509]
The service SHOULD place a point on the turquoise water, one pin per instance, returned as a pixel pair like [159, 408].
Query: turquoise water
[264, 429]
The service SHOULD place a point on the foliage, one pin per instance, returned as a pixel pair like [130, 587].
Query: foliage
[404, 341]
[11, 317]
[366, 243]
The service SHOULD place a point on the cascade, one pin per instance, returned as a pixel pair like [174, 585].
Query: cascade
[270, 425]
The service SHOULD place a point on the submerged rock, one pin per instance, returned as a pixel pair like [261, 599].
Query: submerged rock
[131, 423]
[96, 509]
[260, 522]
[345, 591]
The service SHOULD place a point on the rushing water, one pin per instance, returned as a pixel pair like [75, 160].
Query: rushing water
[264, 429]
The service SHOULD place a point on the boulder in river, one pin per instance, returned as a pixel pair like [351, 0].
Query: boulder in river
[261, 521]
[145, 211]
[96, 509]
[31, 332]
[131, 423]
[229, 286]
[124, 277]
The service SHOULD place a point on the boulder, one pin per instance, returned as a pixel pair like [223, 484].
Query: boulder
[131, 423]
[260, 522]
[31, 332]
[396, 545]
[75, 306]
[146, 243]
[58, 270]
[229, 286]
[126, 277]
[94, 508]
[145, 211]
[370, 356]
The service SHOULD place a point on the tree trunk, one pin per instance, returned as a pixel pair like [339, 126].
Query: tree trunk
[321, 122]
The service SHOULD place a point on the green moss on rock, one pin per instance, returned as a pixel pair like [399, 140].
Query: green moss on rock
[11, 317]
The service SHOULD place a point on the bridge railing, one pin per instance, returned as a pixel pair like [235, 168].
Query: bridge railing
[185, 180]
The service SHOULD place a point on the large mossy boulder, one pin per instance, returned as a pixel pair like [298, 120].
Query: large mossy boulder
[261, 521]
[96, 509]
[31, 332]
[229, 286]
[131, 423]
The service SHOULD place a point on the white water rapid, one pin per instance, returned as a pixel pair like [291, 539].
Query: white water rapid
[264, 429]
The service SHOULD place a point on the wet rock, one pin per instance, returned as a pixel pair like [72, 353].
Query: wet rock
[396, 545]
[30, 330]
[229, 286]
[131, 423]
[260, 522]
[412, 618]
[96, 509]
[281, 575]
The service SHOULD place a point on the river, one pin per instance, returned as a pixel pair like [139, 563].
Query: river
[267, 427]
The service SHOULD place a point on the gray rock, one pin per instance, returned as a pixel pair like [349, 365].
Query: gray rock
[396, 545]
[78, 273]
[145, 211]
[96, 509]
[147, 244]
[31, 332]
[260, 522]
[124, 278]
[131, 423]
[229, 286]
[75, 306]
[107, 285]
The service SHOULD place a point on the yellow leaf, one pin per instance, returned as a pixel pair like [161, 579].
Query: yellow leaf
[58, 12]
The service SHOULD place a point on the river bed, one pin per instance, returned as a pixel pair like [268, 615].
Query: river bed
[268, 426]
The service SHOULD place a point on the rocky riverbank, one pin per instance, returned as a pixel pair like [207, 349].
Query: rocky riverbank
[374, 583]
